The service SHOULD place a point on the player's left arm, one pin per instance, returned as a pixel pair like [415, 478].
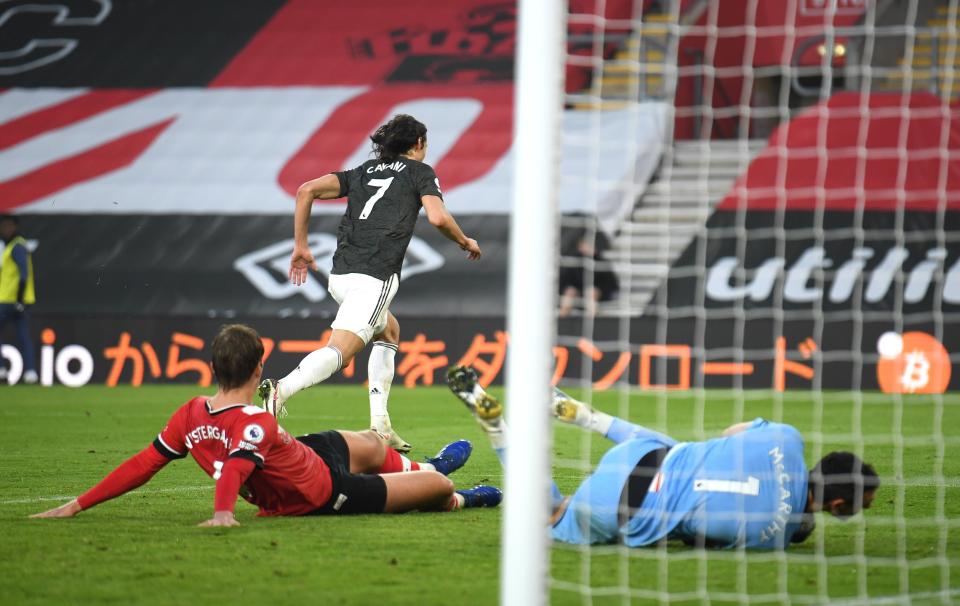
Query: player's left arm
[254, 439]
[431, 198]
[440, 217]
[232, 476]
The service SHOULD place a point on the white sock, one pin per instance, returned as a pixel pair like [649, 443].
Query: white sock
[498, 437]
[313, 369]
[408, 466]
[457, 501]
[380, 375]
[498, 440]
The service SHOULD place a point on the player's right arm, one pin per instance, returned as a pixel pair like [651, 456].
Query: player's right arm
[761, 423]
[132, 473]
[326, 187]
[737, 428]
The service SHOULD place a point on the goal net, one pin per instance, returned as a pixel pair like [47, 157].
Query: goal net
[776, 234]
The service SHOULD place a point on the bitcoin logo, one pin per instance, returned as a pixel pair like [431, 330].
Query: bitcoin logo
[916, 372]
[914, 362]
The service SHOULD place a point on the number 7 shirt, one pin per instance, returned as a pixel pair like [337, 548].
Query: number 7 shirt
[383, 203]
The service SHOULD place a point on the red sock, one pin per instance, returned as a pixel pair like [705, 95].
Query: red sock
[395, 462]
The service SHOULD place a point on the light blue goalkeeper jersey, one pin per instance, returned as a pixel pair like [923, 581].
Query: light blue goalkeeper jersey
[747, 489]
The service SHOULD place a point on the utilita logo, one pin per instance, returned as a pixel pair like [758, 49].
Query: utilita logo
[801, 284]
[267, 269]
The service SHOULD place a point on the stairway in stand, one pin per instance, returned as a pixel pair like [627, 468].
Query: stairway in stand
[935, 60]
[635, 73]
[695, 176]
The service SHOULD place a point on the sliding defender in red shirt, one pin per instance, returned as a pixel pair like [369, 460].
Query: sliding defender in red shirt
[248, 454]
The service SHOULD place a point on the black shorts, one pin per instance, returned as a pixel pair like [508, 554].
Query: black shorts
[352, 492]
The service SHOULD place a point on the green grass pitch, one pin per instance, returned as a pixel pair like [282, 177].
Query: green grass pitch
[145, 547]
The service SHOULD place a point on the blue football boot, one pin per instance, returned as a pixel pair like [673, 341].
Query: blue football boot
[481, 496]
[451, 457]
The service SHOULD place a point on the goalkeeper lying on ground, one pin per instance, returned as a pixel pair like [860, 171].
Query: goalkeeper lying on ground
[748, 488]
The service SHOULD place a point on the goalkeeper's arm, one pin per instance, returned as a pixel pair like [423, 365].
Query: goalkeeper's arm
[736, 428]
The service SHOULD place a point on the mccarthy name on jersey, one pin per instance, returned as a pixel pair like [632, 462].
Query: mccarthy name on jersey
[289, 479]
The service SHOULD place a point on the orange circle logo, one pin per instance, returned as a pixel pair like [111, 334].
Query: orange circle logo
[914, 362]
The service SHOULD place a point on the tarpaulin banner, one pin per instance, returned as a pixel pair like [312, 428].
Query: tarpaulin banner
[221, 112]
[247, 150]
[223, 266]
[128, 44]
[864, 300]
[832, 266]
[76, 350]
[842, 238]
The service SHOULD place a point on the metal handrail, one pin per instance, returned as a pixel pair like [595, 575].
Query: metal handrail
[798, 52]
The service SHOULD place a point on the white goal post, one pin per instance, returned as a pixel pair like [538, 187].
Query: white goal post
[532, 300]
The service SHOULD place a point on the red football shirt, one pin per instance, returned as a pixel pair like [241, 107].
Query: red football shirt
[290, 479]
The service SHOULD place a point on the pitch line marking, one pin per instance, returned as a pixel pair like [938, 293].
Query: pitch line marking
[138, 491]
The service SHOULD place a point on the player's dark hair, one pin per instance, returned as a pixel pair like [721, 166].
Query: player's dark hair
[12, 218]
[397, 137]
[235, 353]
[842, 475]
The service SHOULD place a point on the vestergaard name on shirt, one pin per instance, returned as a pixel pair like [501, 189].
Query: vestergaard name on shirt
[397, 166]
[206, 432]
